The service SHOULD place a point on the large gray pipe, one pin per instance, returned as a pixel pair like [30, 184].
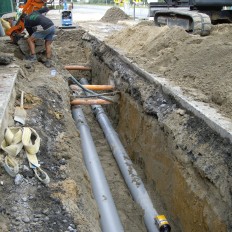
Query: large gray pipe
[125, 164]
[110, 221]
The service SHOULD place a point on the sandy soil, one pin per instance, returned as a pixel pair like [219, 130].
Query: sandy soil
[113, 15]
[200, 65]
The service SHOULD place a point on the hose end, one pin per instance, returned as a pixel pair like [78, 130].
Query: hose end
[162, 223]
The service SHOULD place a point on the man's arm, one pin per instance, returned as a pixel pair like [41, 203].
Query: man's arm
[30, 30]
[43, 10]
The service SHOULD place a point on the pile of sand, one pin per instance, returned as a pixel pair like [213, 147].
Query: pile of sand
[113, 15]
[190, 61]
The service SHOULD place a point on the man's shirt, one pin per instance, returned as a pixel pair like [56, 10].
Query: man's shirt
[37, 19]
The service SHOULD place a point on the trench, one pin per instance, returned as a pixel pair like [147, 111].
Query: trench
[184, 163]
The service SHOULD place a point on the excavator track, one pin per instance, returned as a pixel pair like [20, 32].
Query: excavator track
[192, 21]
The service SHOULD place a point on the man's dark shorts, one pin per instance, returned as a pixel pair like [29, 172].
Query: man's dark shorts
[47, 34]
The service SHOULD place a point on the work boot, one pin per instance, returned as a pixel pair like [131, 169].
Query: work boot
[48, 63]
[32, 58]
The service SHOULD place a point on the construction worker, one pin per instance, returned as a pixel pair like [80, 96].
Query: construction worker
[31, 22]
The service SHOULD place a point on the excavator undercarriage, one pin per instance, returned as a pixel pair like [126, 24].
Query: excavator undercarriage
[195, 16]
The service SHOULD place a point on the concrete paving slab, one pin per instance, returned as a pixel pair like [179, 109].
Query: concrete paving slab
[8, 75]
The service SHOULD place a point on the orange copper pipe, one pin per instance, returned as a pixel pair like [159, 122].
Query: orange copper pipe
[77, 67]
[93, 87]
[90, 102]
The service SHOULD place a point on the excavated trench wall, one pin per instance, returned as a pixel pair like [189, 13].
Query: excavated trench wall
[187, 165]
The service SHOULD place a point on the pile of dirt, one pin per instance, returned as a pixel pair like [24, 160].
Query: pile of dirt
[113, 15]
[197, 64]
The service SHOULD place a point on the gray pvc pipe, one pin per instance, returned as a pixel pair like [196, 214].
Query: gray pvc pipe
[125, 164]
[109, 218]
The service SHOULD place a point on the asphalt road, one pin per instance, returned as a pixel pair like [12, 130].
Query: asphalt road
[95, 12]
[139, 11]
